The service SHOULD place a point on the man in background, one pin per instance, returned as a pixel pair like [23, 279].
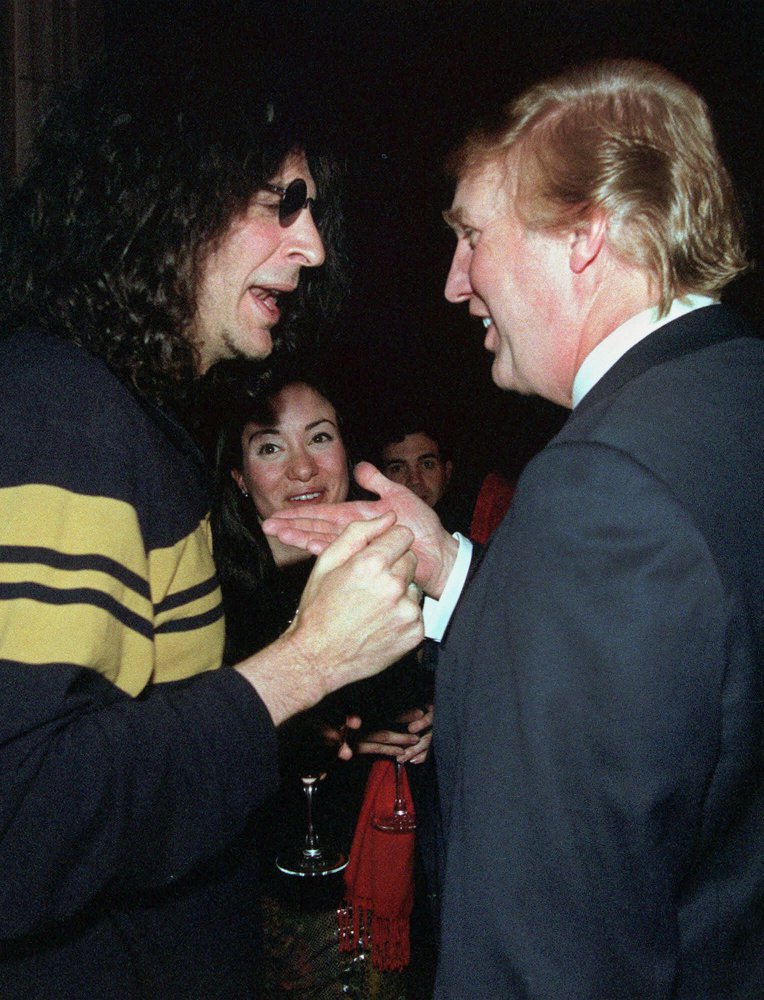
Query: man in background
[413, 454]
[416, 459]
[417, 456]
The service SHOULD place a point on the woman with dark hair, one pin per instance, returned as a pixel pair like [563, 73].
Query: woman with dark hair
[284, 444]
[265, 460]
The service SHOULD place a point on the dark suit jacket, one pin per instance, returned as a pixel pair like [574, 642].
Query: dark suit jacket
[600, 700]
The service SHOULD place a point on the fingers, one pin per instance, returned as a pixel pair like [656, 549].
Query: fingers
[387, 743]
[410, 715]
[324, 518]
[312, 534]
[404, 568]
[356, 614]
[417, 753]
[311, 542]
[422, 722]
[347, 737]
[360, 534]
[330, 735]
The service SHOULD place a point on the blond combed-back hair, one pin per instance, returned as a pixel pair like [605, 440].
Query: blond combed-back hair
[629, 138]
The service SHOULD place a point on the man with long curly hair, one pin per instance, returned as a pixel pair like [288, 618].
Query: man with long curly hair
[169, 220]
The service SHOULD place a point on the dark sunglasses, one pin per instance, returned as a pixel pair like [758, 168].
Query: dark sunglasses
[294, 198]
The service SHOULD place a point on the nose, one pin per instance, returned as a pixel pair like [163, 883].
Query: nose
[302, 466]
[458, 287]
[305, 243]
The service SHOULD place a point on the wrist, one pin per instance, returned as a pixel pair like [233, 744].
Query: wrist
[450, 550]
[285, 676]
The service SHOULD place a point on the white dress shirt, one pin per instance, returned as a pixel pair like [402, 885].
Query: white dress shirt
[625, 336]
[437, 614]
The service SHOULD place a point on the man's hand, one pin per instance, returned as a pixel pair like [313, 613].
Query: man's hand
[359, 613]
[317, 526]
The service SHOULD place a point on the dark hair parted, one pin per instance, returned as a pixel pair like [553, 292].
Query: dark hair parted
[411, 422]
[239, 392]
[137, 173]
[630, 139]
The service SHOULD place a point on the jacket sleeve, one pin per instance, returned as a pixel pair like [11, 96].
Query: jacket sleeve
[105, 792]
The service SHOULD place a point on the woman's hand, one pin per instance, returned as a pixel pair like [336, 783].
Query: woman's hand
[411, 746]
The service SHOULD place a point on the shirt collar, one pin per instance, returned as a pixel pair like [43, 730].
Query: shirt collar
[625, 336]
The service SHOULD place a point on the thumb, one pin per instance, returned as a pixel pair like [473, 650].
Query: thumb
[370, 478]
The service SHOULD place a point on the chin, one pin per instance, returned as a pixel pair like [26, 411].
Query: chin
[502, 378]
[257, 345]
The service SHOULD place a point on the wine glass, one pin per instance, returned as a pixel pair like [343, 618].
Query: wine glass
[400, 820]
[313, 858]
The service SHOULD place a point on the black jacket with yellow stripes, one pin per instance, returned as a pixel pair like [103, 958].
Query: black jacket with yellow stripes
[127, 780]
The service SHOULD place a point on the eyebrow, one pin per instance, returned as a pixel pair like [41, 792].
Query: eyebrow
[323, 420]
[264, 431]
[454, 217]
[417, 458]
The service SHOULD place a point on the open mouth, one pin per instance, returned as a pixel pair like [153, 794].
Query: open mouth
[306, 497]
[268, 297]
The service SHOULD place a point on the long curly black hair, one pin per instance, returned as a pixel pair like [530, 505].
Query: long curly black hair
[137, 173]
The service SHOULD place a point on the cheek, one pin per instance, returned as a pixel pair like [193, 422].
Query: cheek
[334, 468]
[263, 485]
[503, 345]
[257, 245]
[487, 275]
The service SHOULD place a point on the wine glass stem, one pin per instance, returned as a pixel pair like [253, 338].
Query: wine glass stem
[400, 805]
[311, 837]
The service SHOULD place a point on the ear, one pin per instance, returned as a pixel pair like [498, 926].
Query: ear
[238, 479]
[587, 240]
[449, 469]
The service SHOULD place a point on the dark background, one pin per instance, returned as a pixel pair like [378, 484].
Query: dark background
[406, 79]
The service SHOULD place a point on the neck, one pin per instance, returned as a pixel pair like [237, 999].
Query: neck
[625, 293]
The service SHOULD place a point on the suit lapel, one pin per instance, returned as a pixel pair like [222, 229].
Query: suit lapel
[691, 332]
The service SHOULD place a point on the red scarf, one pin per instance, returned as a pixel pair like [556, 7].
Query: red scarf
[379, 878]
[491, 505]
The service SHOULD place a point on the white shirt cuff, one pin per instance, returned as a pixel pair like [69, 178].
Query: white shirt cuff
[437, 614]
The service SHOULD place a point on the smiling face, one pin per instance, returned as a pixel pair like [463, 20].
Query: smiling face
[417, 464]
[297, 459]
[255, 263]
[519, 282]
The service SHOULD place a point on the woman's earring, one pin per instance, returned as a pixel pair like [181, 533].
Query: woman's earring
[243, 491]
